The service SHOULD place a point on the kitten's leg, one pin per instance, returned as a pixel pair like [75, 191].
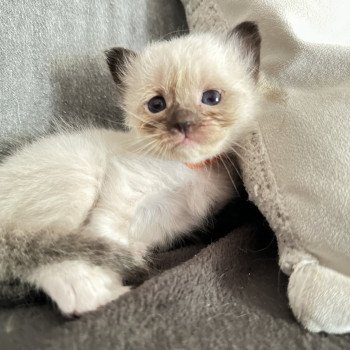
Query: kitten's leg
[78, 272]
[77, 286]
[47, 192]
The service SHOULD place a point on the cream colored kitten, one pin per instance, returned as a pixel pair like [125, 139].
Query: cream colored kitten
[80, 210]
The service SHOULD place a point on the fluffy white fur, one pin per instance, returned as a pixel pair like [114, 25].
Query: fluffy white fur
[90, 183]
[132, 188]
[76, 286]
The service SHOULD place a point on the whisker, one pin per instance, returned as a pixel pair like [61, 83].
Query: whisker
[242, 147]
[163, 150]
[154, 123]
[234, 166]
[175, 32]
[114, 122]
[158, 152]
[166, 148]
[239, 155]
[144, 147]
[155, 144]
[210, 169]
[134, 142]
[228, 173]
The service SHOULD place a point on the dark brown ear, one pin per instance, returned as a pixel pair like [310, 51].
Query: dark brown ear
[117, 59]
[250, 42]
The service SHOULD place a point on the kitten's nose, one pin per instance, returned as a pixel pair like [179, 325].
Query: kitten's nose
[183, 121]
[184, 127]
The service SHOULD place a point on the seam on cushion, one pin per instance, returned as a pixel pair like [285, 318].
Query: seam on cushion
[263, 190]
[204, 15]
[192, 6]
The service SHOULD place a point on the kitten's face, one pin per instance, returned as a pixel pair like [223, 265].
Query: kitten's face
[190, 98]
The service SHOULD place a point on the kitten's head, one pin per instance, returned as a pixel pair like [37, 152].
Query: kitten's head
[190, 98]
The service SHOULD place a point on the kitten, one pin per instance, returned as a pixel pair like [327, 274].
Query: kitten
[80, 210]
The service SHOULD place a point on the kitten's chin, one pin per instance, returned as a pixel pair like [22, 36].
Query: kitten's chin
[191, 152]
[192, 149]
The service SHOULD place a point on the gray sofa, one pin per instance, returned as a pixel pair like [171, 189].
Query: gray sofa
[211, 293]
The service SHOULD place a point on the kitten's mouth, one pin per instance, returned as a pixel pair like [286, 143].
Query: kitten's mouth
[185, 141]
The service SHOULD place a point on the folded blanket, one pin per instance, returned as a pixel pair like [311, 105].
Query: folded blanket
[296, 167]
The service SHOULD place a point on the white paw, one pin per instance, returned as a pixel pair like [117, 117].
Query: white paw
[319, 298]
[77, 287]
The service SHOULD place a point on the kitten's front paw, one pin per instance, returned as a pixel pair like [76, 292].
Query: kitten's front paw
[319, 298]
[77, 287]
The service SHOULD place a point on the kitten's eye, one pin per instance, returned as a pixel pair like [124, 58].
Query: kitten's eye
[156, 104]
[211, 97]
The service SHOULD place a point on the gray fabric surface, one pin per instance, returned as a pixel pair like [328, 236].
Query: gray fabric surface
[228, 295]
[52, 64]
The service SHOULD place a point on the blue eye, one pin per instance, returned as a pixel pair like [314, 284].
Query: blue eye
[211, 97]
[156, 104]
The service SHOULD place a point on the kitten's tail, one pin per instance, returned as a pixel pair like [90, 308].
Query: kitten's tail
[21, 252]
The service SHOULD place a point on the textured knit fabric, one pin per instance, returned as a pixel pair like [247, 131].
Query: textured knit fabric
[305, 134]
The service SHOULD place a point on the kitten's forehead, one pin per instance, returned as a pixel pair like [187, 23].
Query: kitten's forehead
[186, 63]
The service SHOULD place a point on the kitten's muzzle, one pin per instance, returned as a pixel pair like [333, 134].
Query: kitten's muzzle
[183, 121]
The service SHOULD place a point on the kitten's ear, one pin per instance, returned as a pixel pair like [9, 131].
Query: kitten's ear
[249, 39]
[117, 59]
